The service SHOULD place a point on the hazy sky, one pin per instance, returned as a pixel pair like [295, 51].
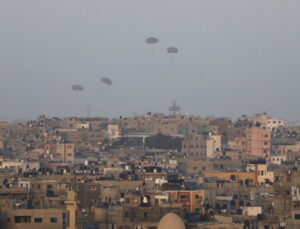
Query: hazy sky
[235, 57]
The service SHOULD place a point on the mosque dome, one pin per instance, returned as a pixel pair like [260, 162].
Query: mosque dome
[171, 221]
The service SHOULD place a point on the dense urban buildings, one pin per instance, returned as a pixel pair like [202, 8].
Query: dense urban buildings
[150, 171]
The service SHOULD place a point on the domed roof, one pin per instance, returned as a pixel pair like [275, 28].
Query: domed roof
[171, 221]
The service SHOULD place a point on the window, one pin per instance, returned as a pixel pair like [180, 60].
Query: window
[265, 143]
[53, 220]
[38, 220]
[197, 197]
[49, 186]
[22, 219]
[297, 216]
[139, 227]
[39, 186]
[183, 197]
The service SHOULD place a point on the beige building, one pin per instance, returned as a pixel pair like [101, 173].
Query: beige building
[239, 143]
[213, 144]
[61, 151]
[83, 125]
[277, 160]
[286, 149]
[201, 146]
[194, 146]
[35, 218]
[286, 198]
[6, 163]
[263, 175]
[65, 151]
[252, 211]
[113, 131]
[273, 124]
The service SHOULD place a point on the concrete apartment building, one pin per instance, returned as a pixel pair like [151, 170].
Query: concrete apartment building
[263, 175]
[47, 218]
[191, 200]
[258, 142]
[287, 198]
[194, 147]
[249, 178]
[61, 151]
[65, 151]
[7, 163]
[201, 146]
[213, 144]
[286, 149]
[266, 121]
[273, 124]
[35, 218]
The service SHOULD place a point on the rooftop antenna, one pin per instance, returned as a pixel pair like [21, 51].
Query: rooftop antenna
[174, 108]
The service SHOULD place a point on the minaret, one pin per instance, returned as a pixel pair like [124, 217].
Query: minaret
[71, 210]
[174, 108]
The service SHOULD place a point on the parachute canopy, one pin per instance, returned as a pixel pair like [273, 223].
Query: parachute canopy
[106, 81]
[77, 87]
[151, 40]
[172, 50]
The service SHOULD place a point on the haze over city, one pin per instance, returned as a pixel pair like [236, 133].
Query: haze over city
[234, 57]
